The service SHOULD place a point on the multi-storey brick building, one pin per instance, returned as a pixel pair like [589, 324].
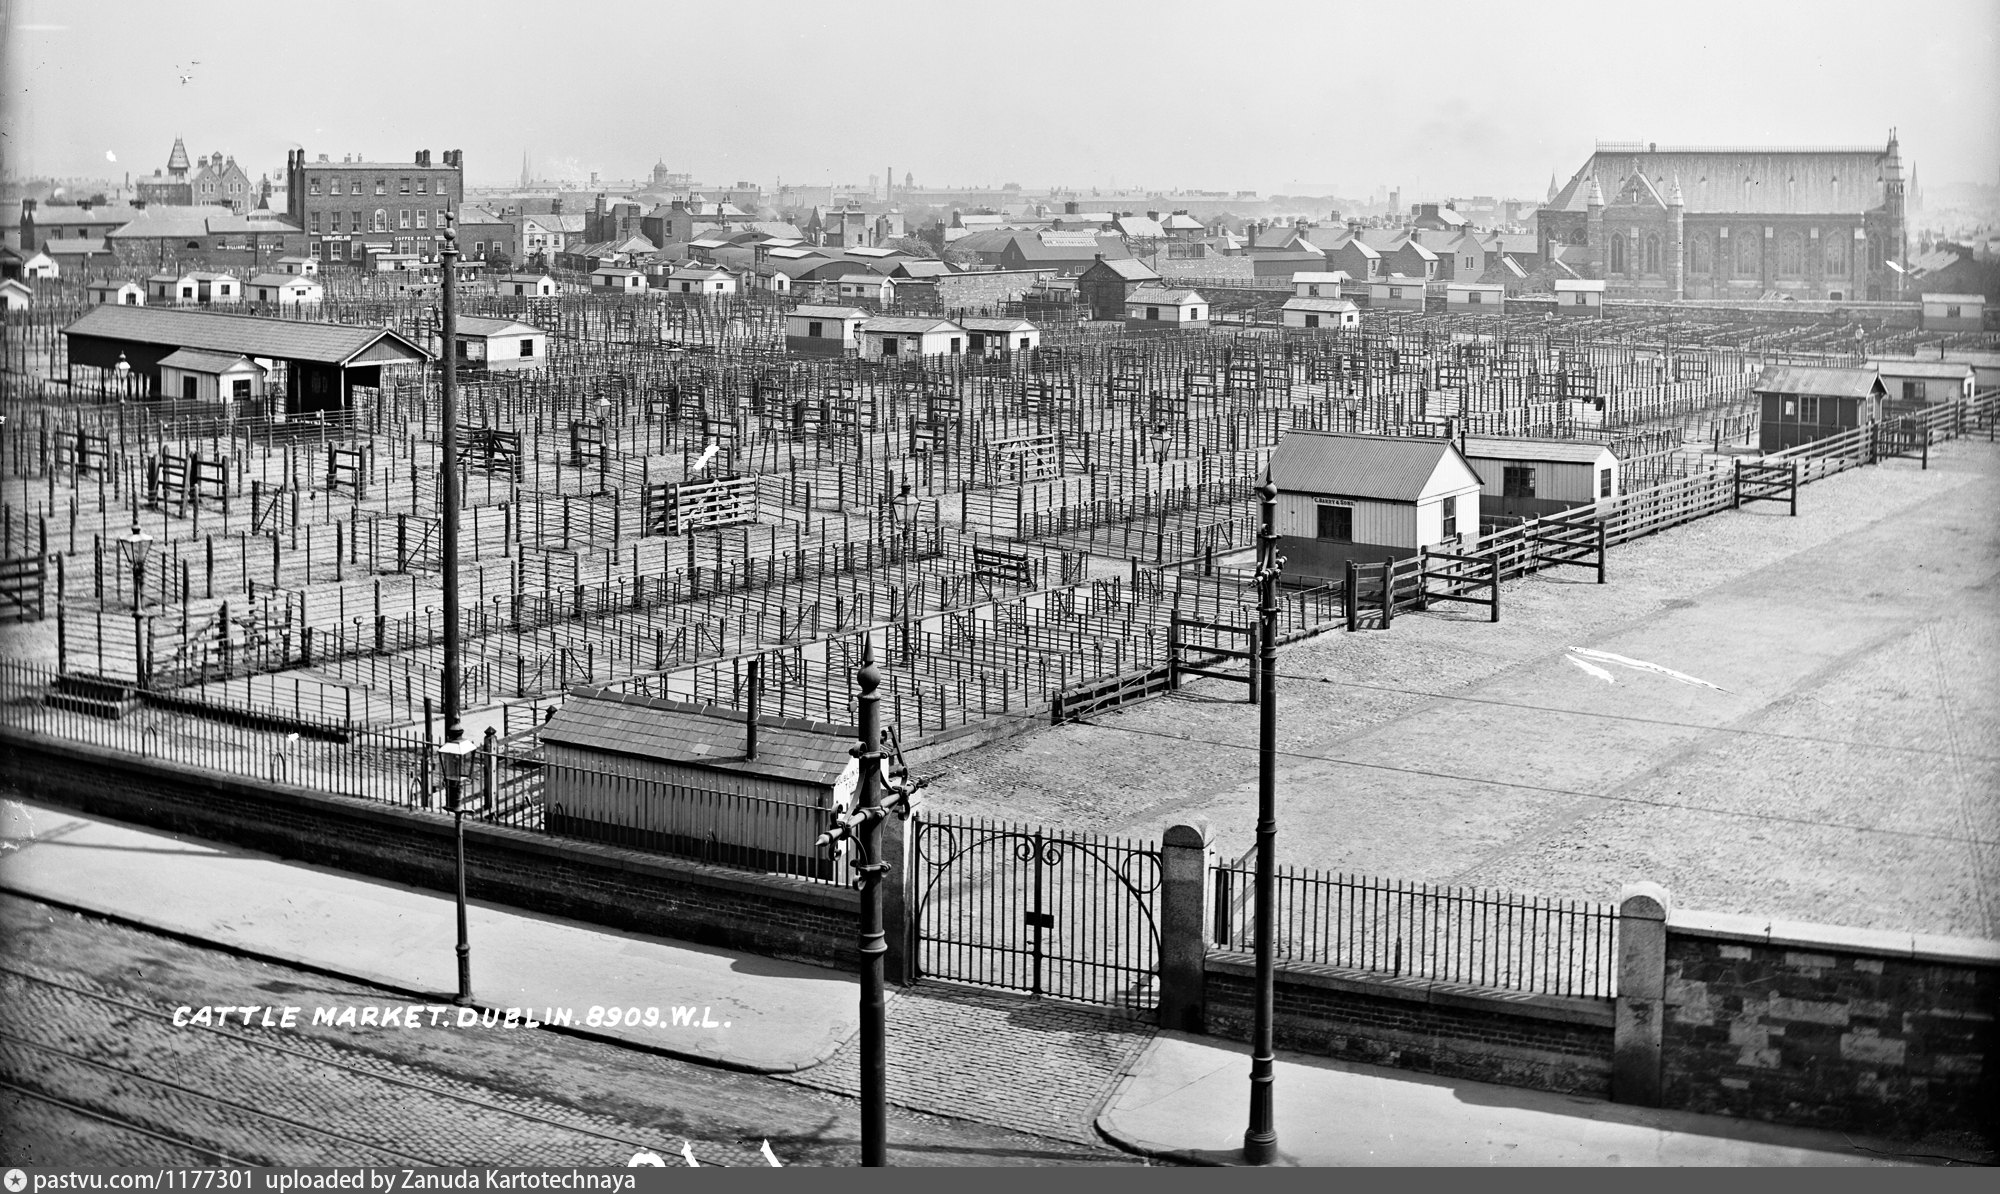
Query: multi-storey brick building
[1736, 223]
[347, 206]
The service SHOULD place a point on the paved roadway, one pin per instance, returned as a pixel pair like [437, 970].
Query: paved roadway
[93, 1072]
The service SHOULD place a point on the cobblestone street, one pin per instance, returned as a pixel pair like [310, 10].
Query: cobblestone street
[1030, 1064]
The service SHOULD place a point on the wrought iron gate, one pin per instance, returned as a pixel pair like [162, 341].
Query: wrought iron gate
[1068, 915]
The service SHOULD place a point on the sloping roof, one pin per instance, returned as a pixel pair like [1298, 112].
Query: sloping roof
[1160, 294]
[1555, 450]
[1331, 306]
[1309, 276]
[474, 325]
[1129, 268]
[1946, 370]
[631, 724]
[283, 280]
[1140, 226]
[1363, 466]
[1953, 298]
[876, 281]
[165, 223]
[1180, 221]
[810, 311]
[1799, 379]
[206, 362]
[1749, 180]
[250, 335]
[908, 324]
[995, 323]
[923, 268]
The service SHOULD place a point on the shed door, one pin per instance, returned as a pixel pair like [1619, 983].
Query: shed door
[190, 388]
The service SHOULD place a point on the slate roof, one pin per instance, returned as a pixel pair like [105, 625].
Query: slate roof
[1946, 370]
[995, 323]
[206, 362]
[907, 324]
[1160, 294]
[1180, 222]
[1799, 379]
[1554, 450]
[1331, 306]
[474, 325]
[810, 311]
[1751, 180]
[287, 280]
[1140, 226]
[1364, 466]
[704, 736]
[250, 335]
[923, 268]
[1323, 277]
[1129, 268]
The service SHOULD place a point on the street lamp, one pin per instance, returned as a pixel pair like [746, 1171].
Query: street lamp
[906, 507]
[457, 756]
[603, 444]
[1160, 442]
[1260, 1140]
[137, 546]
[124, 370]
[863, 829]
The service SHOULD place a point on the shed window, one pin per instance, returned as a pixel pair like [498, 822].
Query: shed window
[1951, 313]
[1474, 297]
[1152, 313]
[528, 347]
[1808, 408]
[1604, 482]
[1312, 321]
[1395, 292]
[1517, 481]
[1194, 312]
[1449, 512]
[1913, 390]
[1335, 523]
[814, 329]
[955, 345]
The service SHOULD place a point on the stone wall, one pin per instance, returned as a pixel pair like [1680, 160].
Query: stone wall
[1539, 1042]
[988, 288]
[1887, 1033]
[627, 889]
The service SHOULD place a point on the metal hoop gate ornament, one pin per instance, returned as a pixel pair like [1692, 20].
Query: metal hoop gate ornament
[1072, 916]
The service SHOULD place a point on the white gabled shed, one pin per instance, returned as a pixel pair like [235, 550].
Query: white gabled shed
[1369, 498]
[1528, 478]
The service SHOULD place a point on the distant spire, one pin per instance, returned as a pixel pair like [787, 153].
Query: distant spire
[177, 161]
[1552, 186]
[525, 177]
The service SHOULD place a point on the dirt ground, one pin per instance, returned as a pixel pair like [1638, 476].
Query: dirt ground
[1842, 768]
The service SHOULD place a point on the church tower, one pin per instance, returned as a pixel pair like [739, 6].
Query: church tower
[1895, 245]
[1593, 229]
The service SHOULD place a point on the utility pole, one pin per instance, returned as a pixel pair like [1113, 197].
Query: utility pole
[1260, 1140]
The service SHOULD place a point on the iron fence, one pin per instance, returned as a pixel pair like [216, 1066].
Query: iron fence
[1463, 935]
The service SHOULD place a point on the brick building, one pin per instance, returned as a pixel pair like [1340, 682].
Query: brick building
[1736, 223]
[343, 205]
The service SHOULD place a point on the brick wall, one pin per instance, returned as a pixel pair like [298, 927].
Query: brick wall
[1833, 1028]
[1538, 1042]
[987, 288]
[605, 885]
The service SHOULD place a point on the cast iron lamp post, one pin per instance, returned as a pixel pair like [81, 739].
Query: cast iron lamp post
[138, 545]
[457, 758]
[456, 751]
[862, 828]
[1260, 1140]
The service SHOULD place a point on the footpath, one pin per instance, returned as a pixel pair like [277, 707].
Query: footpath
[1165, 1095]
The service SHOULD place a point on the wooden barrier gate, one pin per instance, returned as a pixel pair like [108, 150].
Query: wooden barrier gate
[1459, 577]
[1576, 537]
[1178, 651]
[21, 584]
[677, 508]
[1760, 482]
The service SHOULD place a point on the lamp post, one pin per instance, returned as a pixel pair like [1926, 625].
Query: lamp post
[1260, 1140]
[905, 505]
[138, 545]
[456, 756]
[862, 829]
[456, 749]
[603, 443]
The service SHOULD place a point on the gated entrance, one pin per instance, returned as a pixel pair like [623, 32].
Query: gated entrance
[1069, 915]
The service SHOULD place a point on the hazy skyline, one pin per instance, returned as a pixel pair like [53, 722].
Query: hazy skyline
[1454, 99]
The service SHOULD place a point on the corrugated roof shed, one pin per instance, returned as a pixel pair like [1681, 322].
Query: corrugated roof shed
[250, 335]
[813, 312]
[703, 736]
[907, 325]
[1329, 305]
[1800, 379]
[206, 362]
[1160, 294]
[1946, 370]
[473, 325]
[1564, 451]
[1363, 466]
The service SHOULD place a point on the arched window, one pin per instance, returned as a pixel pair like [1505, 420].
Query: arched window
[1617, 252]
[1836, 253]
[1703, 255]
[1652, 254]
[1747, 245]
[1791, 255]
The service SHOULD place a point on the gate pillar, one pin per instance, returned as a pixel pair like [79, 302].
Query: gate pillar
[899, 930]
[1183, 949]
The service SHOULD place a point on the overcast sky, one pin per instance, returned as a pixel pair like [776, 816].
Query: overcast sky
[1439, 98]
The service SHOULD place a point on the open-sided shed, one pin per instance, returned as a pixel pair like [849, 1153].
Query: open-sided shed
[323, 361]
[1368, 498]
[1527, 478]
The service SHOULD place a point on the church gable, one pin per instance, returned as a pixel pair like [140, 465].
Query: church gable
[1637, 191]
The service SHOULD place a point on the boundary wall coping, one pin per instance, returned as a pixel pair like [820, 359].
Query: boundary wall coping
[1560, 1009]
[1887, 943]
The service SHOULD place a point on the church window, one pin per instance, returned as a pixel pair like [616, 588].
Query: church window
[1703, 259]
[1617, 252]
[1746, 252]
[1836, 256]
[1791, 255]
[1652, 254]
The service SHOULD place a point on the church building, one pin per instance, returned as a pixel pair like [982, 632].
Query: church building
[1701, 223]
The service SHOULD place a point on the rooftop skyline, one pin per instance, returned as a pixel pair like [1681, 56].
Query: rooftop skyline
[1272, 97]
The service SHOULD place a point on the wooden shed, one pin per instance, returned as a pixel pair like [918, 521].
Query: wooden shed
[1954, 312]
[1396, 292]
[662, 774]
[1318, 283]
[617, 279]
[990, 336]
[1526, 478]
[1157, 308]
[1579, 296]
[1912, 383]
[121, 294]
[879, 289]
[824, 331]
[1321, 313]
[1802, 404]
[1368, 498]
[15, 295]
[195, 376]
[285, 290]
[1488, 297]
[500, 345]
[700, 279]
[895, 336]
[526, 285]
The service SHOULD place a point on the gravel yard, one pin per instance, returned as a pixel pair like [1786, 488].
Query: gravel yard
[1842, 768]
